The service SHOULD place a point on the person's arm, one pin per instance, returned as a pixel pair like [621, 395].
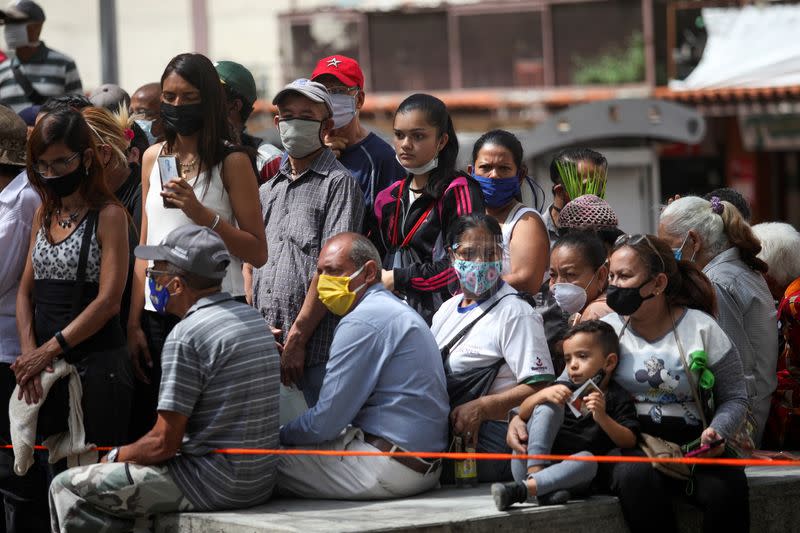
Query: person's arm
[620, 435]
[557, 394]
[137, 341]
[15, 240]
[529, 250]
[350, 377]
[112, 236]
[159, 444]
[730, 394]
[72, 80]
[344, 212]
[27, 337]
[247, 241]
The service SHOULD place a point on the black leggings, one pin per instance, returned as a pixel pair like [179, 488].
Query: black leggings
[645, 494]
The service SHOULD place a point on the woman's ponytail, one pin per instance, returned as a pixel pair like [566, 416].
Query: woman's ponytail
[689, 287]
[741, 236]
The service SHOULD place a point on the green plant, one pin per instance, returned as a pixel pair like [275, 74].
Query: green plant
[577, 182]
[614, 67]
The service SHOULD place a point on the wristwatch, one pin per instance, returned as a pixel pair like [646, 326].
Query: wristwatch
[112, 455]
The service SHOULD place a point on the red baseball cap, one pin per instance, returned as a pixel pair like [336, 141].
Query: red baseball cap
[343, 68]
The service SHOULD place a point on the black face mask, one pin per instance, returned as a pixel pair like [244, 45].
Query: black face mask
[626, 300]
[62, 186]
[184, 119]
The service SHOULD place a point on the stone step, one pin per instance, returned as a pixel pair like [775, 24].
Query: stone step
[774, 506]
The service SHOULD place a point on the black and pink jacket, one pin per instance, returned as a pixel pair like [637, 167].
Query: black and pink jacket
[432, 219]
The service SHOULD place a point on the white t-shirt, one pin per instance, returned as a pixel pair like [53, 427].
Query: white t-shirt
[513, 331]
[653, 372]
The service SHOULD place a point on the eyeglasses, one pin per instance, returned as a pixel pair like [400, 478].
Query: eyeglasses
[342, 90]
[58, 167]
[633, 240]
[151, 272]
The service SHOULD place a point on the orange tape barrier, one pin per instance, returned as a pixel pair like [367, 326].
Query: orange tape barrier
[500, 456]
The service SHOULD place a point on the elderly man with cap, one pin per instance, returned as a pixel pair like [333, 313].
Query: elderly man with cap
[241, 94]
[35, 71]
[219, 389]
[311, 199]
[24, 497]
[384, 389]
[369, 158]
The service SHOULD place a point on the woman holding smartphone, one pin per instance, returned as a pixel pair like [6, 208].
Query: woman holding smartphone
[215, 186]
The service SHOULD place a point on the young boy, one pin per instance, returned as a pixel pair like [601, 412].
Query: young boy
[590, 349]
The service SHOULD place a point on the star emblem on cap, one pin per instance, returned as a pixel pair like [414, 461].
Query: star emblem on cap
[333, 62]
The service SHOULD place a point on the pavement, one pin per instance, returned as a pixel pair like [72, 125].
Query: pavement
[774, 499]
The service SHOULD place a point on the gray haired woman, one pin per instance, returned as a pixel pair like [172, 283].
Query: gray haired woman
[714, 235]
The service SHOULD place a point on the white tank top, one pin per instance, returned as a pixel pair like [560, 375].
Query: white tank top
[511, 220]
[161, 221]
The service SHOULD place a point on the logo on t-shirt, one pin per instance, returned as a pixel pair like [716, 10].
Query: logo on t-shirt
[538, 364]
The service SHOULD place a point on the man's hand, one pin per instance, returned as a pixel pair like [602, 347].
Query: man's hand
[293, 360]
[467, 419]
[139, 352]
[596, 404]
[517, 436]
[336, 144]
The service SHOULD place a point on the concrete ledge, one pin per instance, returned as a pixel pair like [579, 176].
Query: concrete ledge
[774, 506]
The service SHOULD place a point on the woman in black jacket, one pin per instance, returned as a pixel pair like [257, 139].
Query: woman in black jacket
[415, 213]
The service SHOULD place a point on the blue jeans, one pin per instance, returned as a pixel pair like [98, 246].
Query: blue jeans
[492, 439]
[543, 427]
[311, 383]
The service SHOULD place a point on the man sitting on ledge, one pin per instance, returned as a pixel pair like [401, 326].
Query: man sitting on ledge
[219, 389]
[384, 389]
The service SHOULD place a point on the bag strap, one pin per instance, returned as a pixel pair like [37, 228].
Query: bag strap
[689, 375]
[31, 93]
[445, 351]
[80, 275]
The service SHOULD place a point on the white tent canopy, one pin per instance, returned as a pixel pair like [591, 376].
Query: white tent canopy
[748, 47]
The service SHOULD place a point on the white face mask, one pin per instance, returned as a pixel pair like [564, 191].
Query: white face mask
[299, 136]
[16, 36]
[344, 109]
[424, 169]
[570, 298]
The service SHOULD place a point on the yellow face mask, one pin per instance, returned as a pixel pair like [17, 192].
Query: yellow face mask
[335, 294]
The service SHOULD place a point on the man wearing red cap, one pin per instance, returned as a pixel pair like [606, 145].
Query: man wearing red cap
[369, 158]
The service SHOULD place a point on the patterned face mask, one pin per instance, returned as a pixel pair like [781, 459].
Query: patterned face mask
[478, 278]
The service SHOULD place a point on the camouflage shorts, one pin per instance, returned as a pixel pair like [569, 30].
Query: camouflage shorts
[112, 497]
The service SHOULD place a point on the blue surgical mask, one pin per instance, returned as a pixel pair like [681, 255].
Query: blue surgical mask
[147, 128]
[678, 252]
[159, 295]
[498, 192]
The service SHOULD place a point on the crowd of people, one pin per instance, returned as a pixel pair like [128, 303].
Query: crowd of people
[168, 278]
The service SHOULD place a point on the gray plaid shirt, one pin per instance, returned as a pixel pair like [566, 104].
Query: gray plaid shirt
[299, 216]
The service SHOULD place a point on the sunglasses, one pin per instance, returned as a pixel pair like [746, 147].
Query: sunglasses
[633, 240]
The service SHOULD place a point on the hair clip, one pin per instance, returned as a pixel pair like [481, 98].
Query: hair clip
[129, 134]
[716, 205]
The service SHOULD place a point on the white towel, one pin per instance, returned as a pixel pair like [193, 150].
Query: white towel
[70, 444]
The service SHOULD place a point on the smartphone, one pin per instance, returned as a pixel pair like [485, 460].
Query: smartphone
[168, 168]
[704, 448]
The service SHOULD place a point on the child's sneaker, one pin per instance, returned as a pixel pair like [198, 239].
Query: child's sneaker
[507, 494]
[557, 497]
